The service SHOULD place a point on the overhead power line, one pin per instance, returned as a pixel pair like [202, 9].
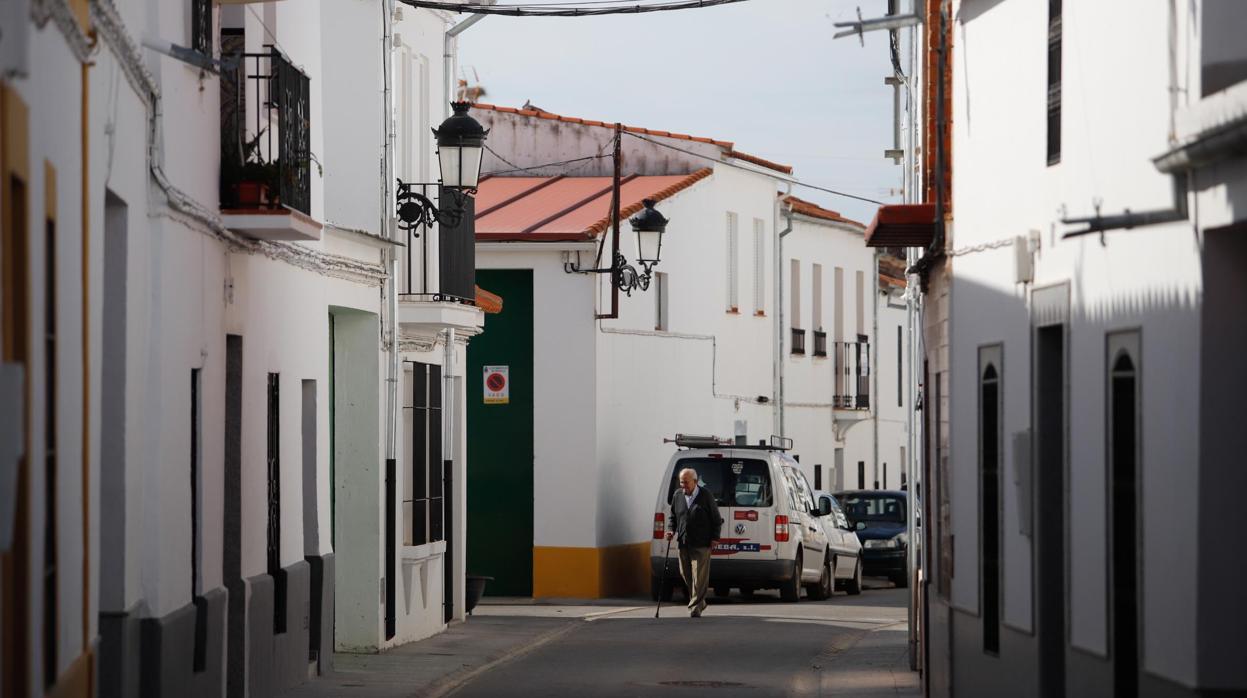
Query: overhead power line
[584, 8]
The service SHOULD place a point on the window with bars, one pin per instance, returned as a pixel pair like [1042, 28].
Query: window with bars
[1054, 81]
[733, 264]
[759, 266]
[423, 502]
[798, 341]
[201, 26]
[820, 343]
[274, 503]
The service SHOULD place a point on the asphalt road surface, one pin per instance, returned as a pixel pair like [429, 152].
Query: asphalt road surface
[846, 646]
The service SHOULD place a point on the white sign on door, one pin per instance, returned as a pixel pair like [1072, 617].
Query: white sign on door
[497, 385]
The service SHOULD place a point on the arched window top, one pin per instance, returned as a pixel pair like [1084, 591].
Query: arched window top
[1123, 364]
[989, 373]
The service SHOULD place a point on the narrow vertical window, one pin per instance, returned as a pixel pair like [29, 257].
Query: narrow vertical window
[818, 476]
[1054, 81]
[900, 370]
[1125, 539]
[989, 497]
[50, 571]
[733, 264]
[661, 301]
[816, 297]
[860, 279]
[423, 488]
[861, 475]
[201, 26]
[759, 267]
[885, 475]
[794, 301]
[274, 503]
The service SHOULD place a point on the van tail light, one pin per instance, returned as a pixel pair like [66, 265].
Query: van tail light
[781, 529]
[660, 526]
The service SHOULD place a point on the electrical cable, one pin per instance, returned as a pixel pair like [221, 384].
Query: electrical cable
[581, 9]
[750, 169]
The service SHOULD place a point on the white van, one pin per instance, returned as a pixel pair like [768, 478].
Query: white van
[771, 536]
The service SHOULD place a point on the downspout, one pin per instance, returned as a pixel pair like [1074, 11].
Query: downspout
[875, 404]
[448, 57]
[777, 364]
[390, 329]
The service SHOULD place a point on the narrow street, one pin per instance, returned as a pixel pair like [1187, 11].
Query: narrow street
[847, 646]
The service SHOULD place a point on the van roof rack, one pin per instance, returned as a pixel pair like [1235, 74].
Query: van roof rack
[776, 443]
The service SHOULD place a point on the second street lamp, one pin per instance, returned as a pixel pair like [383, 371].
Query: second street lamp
[649, 226]
[460, 149]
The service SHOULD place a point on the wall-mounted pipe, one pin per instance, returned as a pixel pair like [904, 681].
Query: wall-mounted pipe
[1130, 219]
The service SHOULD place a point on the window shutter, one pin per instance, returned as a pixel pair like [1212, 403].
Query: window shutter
[733, 263]
[759, 266]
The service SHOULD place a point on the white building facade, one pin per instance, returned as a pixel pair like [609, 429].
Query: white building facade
[209, 485]
[1081, 308]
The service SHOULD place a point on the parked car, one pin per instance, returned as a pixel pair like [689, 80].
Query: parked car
[772, 537]
[879, 516]
[846, 549]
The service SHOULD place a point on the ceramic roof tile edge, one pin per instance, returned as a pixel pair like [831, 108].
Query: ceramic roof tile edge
[540, 114]
[489, 302]
[813, 210]
[599, 227]
[761, 162]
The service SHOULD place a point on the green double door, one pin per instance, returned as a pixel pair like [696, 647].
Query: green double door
[500, 439]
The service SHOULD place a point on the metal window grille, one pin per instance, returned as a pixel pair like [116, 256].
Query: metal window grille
[820, 343]
[423, 493]
[274, 503]
[455, 252]
[798, 341]
[1054, 81]
[201, 26]
[852, 366]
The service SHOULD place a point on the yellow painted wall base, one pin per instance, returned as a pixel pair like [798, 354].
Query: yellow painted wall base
[591, 573]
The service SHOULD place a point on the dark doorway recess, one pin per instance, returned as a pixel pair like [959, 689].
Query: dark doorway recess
[989, 511]
[1123, 507]
[1050, 451]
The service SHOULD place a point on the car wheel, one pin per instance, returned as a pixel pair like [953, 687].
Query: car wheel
[747, 592]
[665, 592]
[790, 591]
[854, 585]
[900, 579]
[822, 590]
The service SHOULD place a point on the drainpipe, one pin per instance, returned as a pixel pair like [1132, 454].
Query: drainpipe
[448, 57]
[777, 365]
[874, 360]
[390, 327]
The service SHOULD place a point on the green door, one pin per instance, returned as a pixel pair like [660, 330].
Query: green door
[500, 440]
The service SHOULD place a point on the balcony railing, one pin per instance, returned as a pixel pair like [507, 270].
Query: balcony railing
[440, 262]
[266, 152]
[852, 375]
[798, 341]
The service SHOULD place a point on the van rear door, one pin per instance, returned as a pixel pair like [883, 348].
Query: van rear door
[742, 487]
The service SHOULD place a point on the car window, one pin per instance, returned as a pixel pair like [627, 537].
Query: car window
[801, 500]
[734, 482]
[865, 506]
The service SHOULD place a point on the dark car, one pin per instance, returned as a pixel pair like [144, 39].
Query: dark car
[880, 519]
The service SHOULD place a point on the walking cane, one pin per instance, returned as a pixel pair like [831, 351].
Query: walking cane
[662, 581]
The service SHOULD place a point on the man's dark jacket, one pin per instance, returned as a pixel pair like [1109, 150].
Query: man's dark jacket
[695, 527]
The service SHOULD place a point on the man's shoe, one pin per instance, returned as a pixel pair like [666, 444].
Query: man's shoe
[695, 613]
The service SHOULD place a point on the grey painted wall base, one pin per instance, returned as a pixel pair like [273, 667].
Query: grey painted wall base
[167, 651]
[277, 661]
[118, 666]
[321, 590]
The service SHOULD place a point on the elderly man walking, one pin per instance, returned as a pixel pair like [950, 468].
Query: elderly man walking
[697, 523]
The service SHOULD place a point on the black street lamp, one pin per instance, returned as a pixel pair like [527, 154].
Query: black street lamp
[460, 149]
[649, 226]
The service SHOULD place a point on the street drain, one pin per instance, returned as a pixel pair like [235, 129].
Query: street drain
[701, 684]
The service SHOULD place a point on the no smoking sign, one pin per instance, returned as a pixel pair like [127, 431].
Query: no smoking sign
[497, 385]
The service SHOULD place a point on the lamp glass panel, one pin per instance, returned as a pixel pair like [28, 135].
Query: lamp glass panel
[648, 245]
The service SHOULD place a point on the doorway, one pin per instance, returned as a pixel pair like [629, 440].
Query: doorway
[1123, 479]
[500, 440]
[1050, 457]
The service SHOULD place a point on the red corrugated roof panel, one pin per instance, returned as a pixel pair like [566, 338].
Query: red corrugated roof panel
[902, 225]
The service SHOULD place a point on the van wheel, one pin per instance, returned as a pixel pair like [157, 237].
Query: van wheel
[665, 592]
[854, 585]
[822, 590]
[790, 591]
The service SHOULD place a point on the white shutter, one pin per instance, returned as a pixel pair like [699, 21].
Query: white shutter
[759, 266]
[733, 264]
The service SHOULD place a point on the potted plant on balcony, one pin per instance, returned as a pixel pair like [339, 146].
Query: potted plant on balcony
[256, 183]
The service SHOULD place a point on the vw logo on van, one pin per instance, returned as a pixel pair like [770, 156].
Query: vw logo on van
[740, 529]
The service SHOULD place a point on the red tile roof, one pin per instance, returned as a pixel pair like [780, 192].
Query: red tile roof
[813, 210]
[564, 209]
[726, 145]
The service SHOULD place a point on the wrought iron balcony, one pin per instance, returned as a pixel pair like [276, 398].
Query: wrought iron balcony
[445, 271]
[266, 157]
[852, 375]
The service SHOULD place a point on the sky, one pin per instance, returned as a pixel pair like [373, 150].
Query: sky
[764, 74]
